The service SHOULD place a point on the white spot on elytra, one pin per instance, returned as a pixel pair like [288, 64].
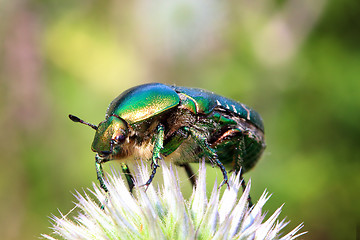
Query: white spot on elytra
[248, 112]
[233, 107]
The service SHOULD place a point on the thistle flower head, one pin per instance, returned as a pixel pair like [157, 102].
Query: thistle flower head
[163, 213]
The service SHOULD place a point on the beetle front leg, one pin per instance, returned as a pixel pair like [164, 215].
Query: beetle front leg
[129, 178]
[158, 145]
[201, 140]
[100, 172]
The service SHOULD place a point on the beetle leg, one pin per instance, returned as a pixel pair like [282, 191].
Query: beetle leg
[159, 140]
[100, 172]
[201, 140]
[241, 169]
[190, 173]
[243, 185]
[129, 178]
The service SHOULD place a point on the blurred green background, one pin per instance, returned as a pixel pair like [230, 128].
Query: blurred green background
[296, 62]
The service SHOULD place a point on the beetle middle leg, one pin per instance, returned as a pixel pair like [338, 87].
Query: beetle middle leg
[159, 141]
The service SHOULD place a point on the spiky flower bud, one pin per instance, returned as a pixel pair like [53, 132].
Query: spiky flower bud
[165, 214]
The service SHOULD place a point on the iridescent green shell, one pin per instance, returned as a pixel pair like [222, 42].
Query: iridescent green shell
[143, 102]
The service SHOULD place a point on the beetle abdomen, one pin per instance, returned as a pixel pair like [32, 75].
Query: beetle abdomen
[208, 101]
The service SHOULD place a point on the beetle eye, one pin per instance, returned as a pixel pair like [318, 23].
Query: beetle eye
[118, 139]
[104, 153]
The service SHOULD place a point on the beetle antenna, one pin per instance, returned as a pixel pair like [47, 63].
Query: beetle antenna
[76, 119]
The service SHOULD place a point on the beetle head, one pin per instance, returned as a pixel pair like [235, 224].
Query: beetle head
[110, 134]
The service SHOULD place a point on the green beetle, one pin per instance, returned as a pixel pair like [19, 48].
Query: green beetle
[155, 120]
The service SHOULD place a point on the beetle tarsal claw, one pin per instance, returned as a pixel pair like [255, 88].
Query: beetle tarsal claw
[223, 182]
[154, 166]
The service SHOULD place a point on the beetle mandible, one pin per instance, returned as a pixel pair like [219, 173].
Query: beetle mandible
[155, 120]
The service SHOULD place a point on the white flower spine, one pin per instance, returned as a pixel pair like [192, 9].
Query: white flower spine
[163, 213]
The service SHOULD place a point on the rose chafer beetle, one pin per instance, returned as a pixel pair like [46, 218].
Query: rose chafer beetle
[155, 120]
